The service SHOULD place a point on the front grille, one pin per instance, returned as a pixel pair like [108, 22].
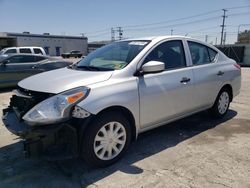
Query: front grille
[23, 100]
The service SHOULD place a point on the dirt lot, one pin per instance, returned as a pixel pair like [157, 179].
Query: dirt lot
[193, 152]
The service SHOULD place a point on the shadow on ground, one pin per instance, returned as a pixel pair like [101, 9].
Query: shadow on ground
[16, 171]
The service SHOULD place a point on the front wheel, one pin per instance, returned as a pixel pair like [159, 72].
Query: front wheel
[106, 139]
[221, 104]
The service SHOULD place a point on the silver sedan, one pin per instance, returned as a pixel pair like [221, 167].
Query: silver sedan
[121, 90]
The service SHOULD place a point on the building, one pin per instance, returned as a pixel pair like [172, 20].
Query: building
[54, 45]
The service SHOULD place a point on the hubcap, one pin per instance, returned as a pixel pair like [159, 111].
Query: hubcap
[110, 140]
[223, 102]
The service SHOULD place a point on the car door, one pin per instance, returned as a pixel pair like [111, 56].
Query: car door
[17, 67]
[169, 94]
[208, 73]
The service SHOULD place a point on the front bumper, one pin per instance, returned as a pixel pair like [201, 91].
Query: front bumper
[18, 127]
[13, 124]
[49, 141]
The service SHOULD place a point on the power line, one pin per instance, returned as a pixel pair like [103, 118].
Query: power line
[238, 7]
[167, 21]
[239, 14]
[101, 34]
[175, 25]
[184, 18]
[174, 20]
[97, 31]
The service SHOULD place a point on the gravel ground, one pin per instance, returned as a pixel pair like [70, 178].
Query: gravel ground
[193, 152]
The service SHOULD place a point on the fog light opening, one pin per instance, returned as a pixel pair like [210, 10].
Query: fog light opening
[78, 112]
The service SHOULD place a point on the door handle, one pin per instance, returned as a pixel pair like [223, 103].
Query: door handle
[34, 67]
[185, 80]
[220, 73]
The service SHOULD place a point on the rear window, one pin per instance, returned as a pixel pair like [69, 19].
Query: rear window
[212, 54]
[201, 54]
[25, 50]
[38, 51]
[39, 58]
[10, 51]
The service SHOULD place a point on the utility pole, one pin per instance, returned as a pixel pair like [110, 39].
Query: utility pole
[172, 31]
[216, 41]
[206, 38]
[120, 32]
[112, 34]
[225, 37]
[223, 25]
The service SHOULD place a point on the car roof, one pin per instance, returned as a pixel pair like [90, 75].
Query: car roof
[159, 37]
[15, 47]
[25, 54]
[156, 39]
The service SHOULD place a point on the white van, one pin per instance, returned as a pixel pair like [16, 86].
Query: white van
[26, 50]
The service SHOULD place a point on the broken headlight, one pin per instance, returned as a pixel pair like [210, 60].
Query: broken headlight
[56, 108]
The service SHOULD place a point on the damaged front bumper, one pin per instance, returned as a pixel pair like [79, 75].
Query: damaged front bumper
[57, 141]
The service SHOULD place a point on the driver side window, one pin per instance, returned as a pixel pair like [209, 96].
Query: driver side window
[171, 53]
[21, 59]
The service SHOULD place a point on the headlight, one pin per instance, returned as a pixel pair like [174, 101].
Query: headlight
[56, 108]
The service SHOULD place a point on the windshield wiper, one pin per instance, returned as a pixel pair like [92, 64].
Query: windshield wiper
[93, 68]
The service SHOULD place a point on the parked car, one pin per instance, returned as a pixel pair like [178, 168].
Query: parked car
[16, 67]
[73, 53]
[95, 108]
[26, 50]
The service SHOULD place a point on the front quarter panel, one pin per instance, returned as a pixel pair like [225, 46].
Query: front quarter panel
[114, 92]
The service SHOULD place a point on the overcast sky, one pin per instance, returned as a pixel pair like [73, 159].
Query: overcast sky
[94, 18]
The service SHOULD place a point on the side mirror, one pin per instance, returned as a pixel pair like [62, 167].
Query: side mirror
[153, 67]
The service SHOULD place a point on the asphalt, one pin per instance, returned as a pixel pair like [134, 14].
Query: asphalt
[197, 151]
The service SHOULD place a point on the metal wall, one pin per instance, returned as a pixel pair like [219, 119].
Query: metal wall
[239, 52]
[64, 44]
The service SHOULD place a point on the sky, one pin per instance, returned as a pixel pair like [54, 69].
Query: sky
[138, 18]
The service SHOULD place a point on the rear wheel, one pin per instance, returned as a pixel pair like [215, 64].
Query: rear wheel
[106, 139]
[221, 104]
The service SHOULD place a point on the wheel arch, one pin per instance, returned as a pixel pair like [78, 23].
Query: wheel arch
[229, 88]
[127, 113]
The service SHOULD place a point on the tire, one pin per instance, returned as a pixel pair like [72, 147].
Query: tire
[221, 104]
[99, 150]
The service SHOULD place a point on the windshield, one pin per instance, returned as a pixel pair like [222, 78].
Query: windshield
[114, 56]
[1, 52]
[3, 57]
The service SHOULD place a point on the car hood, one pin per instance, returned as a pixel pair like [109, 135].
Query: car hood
[60, 80]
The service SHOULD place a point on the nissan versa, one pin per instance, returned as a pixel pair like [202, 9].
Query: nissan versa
[95, 108]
